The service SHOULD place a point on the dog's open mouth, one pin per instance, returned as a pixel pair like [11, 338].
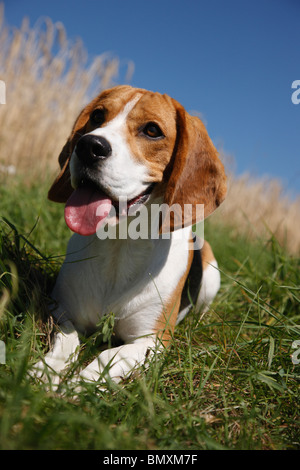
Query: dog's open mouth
[88, 207]
[128, 207]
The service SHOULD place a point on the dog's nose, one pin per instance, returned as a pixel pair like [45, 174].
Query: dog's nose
[91, 148]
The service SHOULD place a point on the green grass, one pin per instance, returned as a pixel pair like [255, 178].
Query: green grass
[227, 382]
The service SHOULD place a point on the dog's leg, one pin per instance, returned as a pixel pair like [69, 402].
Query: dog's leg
[119, 362]
[211, 279]
[62, 354]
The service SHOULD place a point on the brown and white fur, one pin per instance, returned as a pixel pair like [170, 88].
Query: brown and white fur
[142, 147]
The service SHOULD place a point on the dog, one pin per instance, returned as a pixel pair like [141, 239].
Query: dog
[130, 150]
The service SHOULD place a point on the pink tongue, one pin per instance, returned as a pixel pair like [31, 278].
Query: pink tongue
[85, 209]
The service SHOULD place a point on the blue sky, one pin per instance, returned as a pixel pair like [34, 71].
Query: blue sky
[233, 61]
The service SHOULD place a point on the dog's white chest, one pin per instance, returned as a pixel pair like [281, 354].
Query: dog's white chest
[125, 277]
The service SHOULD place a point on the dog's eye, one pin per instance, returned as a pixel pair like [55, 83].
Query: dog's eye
[97, 116]
[152, 130]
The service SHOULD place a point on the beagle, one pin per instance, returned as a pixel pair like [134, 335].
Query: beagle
[130, 150]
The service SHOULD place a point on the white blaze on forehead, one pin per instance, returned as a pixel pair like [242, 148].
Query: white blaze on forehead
[121, 174]
[121, 117]
[116, 124]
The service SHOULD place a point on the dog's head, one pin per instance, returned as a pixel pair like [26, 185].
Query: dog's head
[135, 145]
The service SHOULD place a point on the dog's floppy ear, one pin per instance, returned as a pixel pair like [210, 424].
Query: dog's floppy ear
[61, 188]
[196, 175]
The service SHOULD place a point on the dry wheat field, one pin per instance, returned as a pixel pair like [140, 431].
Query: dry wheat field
[49, 79]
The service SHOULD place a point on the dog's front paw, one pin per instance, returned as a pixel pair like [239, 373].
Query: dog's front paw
[48, 370]
[63, 354]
